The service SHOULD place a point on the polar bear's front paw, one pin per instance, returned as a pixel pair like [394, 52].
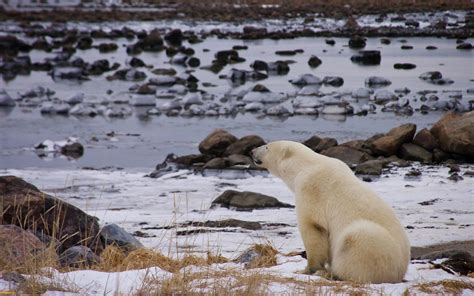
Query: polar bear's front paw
[307, 270]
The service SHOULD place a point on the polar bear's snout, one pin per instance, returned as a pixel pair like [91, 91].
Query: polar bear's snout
[253, 155]
[257, 154]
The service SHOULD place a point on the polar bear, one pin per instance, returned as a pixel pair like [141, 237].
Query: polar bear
[347, 229]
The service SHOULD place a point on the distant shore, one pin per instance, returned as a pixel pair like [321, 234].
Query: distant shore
[227, 12]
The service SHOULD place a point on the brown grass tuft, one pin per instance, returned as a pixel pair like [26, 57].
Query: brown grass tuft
[443, 287]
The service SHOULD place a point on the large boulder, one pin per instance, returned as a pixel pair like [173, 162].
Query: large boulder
[26, 206]
[455, 133]
[410, 151]
[244, 145]
[390, 143]
[247, 201]
[346, 154]
[371, 167]
[424, 138]
[318, 144]
[216, 142]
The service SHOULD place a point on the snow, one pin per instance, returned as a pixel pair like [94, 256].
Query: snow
[137, 203]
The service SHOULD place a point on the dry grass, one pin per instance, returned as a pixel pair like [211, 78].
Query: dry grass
[445, 287]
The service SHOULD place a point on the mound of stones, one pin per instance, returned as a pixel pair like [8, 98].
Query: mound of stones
[451, 139]
[33, 222]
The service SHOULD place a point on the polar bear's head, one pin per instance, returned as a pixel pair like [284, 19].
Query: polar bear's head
[275, 156]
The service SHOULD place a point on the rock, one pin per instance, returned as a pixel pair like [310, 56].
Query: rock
[412, 23]
[227, 56]
[384, 96]
[84, 43]
[174, 37]
[385, 41]
[242, 76]
[306, 79]
[306, 102]
[357, 42]
[79, 257]
[6, 100]
[346, 154]
[455, 177]
[74, 150]
[410, 151]
[370, 167]
[278, 110]
[189, 160]
[318, 144]
[143, 100]
[18, 246]
[390, 143]
[402, 90]
[247, 201]
[216, 142]
[239, 159]
[136, 63]
[440, 156]
[217, 163]
[425, 139]
[258, 65]
[361, 93]
[330, 41]
[404, 66]
[432, 75]
[263, 97]
[455, 133]
[367, 57]
[26, 206]
[406, 47]
[431, 47]
[107, 47]
[337, 108]
[68, 73]
[333, 81]
[459, 261]
[288, 52]
[112, 234]
[258, 256]
[464, 46]
[314, 61]
[76, 99]
[376, 81]
[151, 42]
[164, 71]
[244, 145]
[227, 223]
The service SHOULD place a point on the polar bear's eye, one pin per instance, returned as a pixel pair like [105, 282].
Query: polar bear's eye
[266, 147]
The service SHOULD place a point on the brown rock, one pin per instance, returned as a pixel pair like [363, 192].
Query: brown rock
[24, 205]
[410, 151]
[348, 155]
[371, 167]
[239, 159]
[247, 201]
[360, 145]
[217, 163]
[440, 156]
[455, 133]
[189, 160]
[393, 140]
[17, 246]
[318, 144]
[244, 145]
[425, 139]
[216, 142]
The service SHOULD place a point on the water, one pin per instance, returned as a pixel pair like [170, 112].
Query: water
[21, 128]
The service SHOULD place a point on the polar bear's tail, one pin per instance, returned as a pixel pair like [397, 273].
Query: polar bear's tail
[366, 252]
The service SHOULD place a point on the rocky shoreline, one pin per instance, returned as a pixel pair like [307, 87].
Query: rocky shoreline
[450, 141]
[230, 12]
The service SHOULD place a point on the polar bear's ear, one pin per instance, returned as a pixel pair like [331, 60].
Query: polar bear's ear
[286, 153]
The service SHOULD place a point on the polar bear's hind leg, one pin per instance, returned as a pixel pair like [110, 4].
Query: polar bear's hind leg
[366, 252]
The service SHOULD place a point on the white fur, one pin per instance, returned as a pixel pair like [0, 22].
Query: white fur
[343, 223]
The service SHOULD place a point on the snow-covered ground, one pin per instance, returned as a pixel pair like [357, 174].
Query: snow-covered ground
[137, 203]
